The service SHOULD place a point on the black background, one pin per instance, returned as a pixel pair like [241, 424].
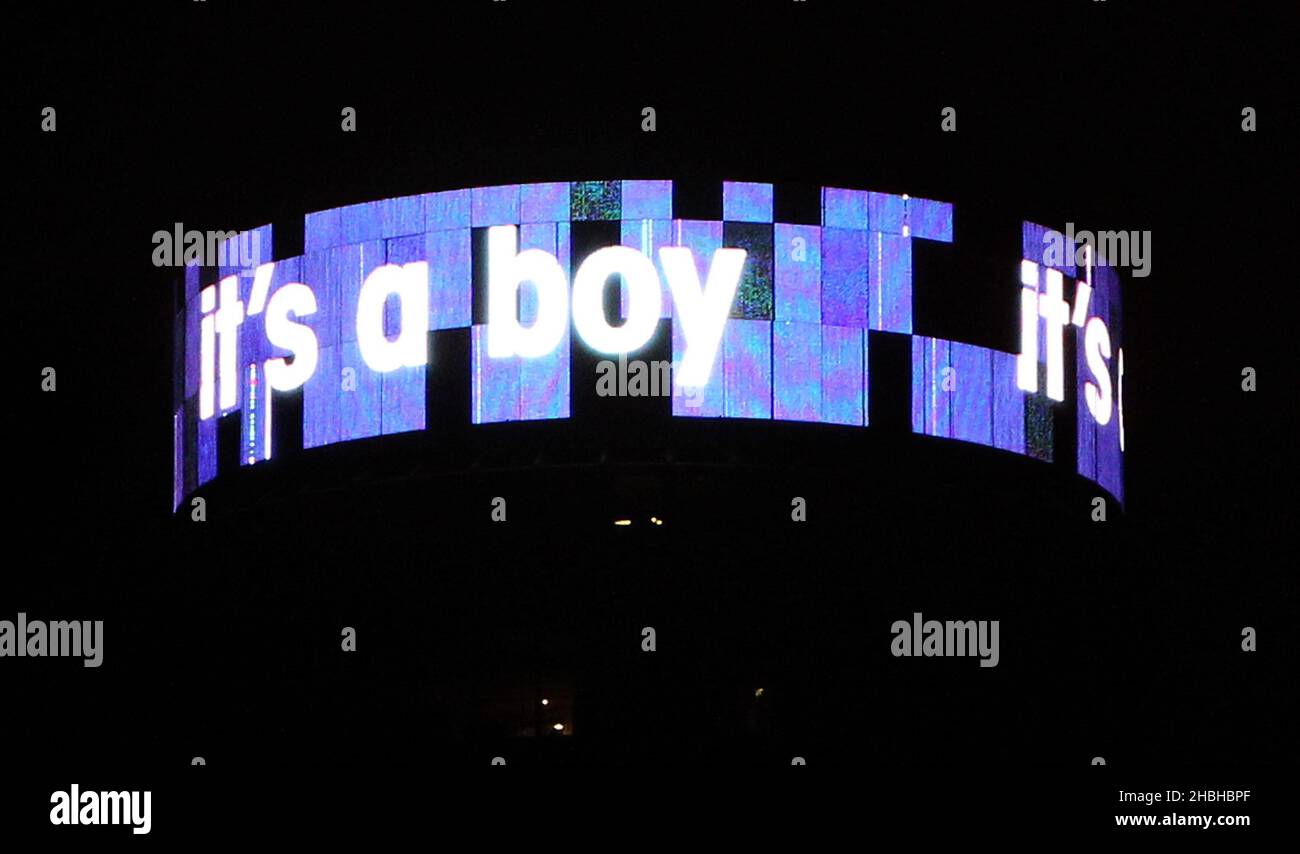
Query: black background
[1119, 640]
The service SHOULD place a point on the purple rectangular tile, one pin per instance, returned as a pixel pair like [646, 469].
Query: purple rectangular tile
[843, 375]
[930, 220]
[796, 371]
[746, 202]
[844, 208]
[544, 384]
[940, 404]
[346, 271]
[747, 355]
[494, 384]
[320, 400]
[207, 449]
[317, 274]
[360, 395]
[972, 393]
[362, 222]
[494, 205]
[403, 400]
[918, 383]
[447, 209]
[322, 230]
[1008, 405]
[544, 202]
[891, 283]
[797, 251]
[886, 212]
[846, 264]
[929, 377]
[402, 216]
[450, 278]
[647, 200]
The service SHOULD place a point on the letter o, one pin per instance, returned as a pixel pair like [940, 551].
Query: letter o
[645, 300]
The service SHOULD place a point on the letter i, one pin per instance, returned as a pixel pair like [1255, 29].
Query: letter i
[207, 353]
[1027, 361]
[228, 319]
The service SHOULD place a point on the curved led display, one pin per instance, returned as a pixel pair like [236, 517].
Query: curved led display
[769, 320]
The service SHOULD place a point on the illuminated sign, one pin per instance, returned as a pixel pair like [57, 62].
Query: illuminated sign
[769, 320]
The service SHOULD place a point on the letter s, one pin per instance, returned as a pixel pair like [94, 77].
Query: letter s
[282, 332]
[1096, 344]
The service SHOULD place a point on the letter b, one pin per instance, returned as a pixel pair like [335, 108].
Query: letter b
[507, 269]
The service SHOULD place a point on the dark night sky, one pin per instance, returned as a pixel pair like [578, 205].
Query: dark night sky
[221, 116]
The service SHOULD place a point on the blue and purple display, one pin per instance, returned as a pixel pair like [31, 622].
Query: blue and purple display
[793, 346]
